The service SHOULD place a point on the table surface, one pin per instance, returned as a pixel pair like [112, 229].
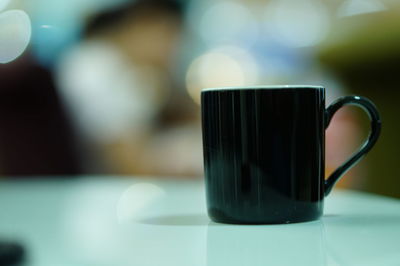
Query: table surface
[142, 221]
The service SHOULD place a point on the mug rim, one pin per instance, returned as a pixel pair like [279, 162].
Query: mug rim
[263, 87]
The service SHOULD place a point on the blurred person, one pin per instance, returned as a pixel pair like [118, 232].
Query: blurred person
[35, 135]
[118, 85]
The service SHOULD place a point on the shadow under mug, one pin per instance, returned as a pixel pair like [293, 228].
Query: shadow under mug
[264, 152]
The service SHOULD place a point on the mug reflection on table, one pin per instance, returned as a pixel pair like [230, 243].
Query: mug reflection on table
[256, 246]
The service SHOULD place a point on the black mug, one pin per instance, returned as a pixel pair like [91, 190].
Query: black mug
[264, 152]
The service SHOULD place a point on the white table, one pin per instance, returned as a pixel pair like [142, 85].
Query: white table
[136, 221]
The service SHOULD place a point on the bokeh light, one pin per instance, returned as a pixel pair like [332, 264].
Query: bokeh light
[216, 26]
[15, 34]
[357, 7]
[4, 3]
[297, 23]
[136, 198]
[220, 67]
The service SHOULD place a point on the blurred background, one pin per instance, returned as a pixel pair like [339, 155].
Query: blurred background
[113, 86]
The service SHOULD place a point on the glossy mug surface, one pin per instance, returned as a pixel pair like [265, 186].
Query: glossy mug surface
[264, 151]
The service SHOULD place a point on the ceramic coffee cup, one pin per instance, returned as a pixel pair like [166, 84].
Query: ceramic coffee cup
[264, 152]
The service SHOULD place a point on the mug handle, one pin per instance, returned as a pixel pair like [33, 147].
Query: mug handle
[373, 114]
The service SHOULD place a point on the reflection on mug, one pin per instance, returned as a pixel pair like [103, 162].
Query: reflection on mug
[266, 245]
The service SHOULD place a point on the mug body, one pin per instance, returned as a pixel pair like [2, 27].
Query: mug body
[264, 153]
